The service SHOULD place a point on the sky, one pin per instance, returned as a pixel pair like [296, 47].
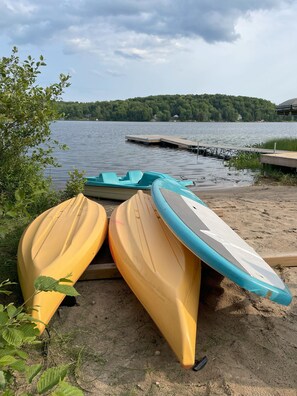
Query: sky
[119, 49]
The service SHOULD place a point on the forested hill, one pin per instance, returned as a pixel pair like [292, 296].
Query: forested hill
[173, 108]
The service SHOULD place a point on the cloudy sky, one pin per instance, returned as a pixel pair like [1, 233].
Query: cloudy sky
[118, 49]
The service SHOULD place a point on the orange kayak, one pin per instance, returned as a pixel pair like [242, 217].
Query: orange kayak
[162, 273]
[60, 241]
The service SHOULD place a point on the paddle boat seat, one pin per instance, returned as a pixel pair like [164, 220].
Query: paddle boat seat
[149, 177]
[108, 177]
[133, 176]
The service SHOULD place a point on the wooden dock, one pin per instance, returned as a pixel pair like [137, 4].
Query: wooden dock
[216, 150]
[288, 159]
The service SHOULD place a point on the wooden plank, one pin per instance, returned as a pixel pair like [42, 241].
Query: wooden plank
[148, 139]
[110, 271]
[284, 260]
[284, 159]
[103, 267]
[101, 271]
[179, 142]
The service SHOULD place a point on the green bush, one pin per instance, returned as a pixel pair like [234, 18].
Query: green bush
[26, 146]
[74, 185]
[18, 332]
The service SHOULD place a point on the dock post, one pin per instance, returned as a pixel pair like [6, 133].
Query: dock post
[274, 150]
[197, 151]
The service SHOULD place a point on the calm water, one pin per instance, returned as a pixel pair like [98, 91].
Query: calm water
[100, 146]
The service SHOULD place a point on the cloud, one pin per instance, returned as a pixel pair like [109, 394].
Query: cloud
[125, 29]
[133, 53]
[210, 20]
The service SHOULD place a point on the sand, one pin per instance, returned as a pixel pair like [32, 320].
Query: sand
[250, 342]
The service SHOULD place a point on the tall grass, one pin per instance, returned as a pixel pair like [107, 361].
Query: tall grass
[246, 161]
[289, 144]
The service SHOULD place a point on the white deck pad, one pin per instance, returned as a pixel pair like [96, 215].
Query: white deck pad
[212, 230]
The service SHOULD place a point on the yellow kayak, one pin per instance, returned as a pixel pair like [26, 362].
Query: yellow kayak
[162, 273]
[60, 241]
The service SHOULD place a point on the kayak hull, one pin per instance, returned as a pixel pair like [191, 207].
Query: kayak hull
[162, 273]
[61, 241]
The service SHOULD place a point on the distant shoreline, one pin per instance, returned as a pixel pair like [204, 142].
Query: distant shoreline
[179, 121]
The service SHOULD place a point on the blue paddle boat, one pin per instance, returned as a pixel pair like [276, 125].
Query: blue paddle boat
[109, 185]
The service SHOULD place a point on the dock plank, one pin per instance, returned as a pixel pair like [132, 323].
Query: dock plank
[288, 159]
[144, 138]
[179, 142]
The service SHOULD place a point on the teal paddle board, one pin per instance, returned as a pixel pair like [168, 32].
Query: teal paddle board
[211, 239]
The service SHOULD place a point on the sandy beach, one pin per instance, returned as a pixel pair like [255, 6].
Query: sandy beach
[250, 342]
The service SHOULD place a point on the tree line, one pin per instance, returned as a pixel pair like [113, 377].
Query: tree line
[201, 108]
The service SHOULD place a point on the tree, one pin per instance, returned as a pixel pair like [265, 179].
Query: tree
[139, 112]
[26, 111]
[202, 108]
[163, 115]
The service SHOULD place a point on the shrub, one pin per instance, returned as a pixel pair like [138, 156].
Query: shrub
[18, 332]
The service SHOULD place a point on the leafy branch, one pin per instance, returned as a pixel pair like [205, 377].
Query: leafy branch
[17, 331]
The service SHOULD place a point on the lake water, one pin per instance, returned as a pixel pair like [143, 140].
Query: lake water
[96, 147]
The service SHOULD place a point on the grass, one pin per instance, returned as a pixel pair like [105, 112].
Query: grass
[289, 144]
[8, 256]
[285, 176]
[272, 175]
[246, 161]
